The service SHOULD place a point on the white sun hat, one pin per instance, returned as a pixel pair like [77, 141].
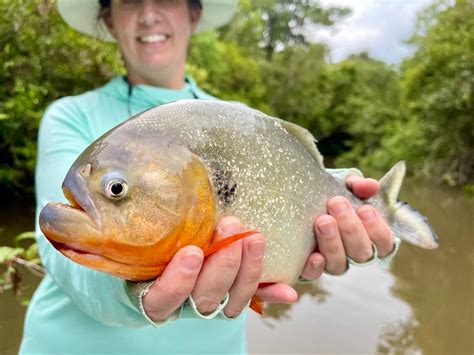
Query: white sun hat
[82, 15]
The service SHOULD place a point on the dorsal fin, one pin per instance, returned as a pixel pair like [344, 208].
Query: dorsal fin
[306, 139]
[391, 182]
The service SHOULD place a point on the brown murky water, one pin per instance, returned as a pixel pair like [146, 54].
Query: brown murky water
[423, 303]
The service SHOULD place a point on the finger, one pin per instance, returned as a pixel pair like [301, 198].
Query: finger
[172, 288]
[377, 229]
[354, 237]
[314, 267]
[330, 244]
[362, 187]
[219, 270]
[247, 280]
[277, 293]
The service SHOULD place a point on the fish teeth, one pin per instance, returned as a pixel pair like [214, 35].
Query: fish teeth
[152, 38]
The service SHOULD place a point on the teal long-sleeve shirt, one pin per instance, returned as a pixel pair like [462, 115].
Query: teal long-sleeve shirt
[82, 311]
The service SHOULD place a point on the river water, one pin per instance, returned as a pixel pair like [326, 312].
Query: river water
[423, 303]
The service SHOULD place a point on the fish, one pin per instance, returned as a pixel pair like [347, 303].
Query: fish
[163, 178]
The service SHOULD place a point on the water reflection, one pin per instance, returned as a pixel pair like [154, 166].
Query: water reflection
[13, 221]
[439, 285]
[282, 311]
[397, 338]
[422, 304]
[347, 319]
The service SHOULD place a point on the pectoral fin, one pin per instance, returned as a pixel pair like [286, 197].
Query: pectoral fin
[215, 247]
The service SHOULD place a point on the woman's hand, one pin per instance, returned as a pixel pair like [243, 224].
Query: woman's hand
[347, 232]
[235, 269]
[340, 233]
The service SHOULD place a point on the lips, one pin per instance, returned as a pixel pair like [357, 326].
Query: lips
[66, 248]
[153, 38]
[76, 191]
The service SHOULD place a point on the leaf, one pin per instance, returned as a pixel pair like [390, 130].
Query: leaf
[32, 252]
[25, 302]
[24, 236]
[8, 253]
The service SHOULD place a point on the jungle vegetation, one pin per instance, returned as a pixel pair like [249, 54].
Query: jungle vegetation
[364, 112]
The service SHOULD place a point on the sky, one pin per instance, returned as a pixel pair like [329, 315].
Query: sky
[378, 27]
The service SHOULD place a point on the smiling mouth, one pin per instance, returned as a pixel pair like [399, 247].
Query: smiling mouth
[153, 39]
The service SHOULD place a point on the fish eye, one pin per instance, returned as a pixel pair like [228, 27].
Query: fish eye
[115, 186]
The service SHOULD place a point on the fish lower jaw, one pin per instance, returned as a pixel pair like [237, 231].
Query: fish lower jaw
[67, 249]
[119, 269]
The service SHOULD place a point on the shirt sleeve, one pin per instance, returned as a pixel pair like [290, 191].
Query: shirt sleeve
[63, 135]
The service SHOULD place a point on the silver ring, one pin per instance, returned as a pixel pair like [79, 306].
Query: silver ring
[368, 262]
[329, 273]
[387, 258]
[218, 310]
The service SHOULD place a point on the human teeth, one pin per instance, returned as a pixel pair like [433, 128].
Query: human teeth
[152, 38]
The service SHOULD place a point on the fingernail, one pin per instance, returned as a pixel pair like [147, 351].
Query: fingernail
[349, 184]
[327, 228]
[315, 264]
[256, 248]
[339, 206]
[191, 261]
[366, 214]
[230, 226]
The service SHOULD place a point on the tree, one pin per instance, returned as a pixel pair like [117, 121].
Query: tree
[224, 70]
[366, 107]
[438, 87]
[277, 24]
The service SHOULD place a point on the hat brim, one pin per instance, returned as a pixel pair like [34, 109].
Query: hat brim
[83, 16]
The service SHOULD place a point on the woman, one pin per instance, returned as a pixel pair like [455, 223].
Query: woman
[78, 310]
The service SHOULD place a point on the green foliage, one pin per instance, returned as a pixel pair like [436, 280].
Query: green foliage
[438, 83]
[296, 86]
[367, 110]
[41, 59]
[363, 112]
[222, 69]
[14, 259]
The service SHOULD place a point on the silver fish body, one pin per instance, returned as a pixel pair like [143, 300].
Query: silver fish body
[264, 170]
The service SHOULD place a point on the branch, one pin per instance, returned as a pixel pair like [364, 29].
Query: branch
[34, 268]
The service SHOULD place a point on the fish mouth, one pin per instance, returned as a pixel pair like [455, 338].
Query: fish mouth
[131, 272]
[76, 225]
[67, 249]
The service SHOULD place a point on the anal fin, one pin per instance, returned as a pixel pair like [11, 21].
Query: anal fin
[256, 304]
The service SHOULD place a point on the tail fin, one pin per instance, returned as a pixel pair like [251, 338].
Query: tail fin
[407, 223]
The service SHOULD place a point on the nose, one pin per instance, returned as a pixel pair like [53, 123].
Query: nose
[148, 14]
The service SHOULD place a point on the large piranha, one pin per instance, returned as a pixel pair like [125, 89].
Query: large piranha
[161, 180]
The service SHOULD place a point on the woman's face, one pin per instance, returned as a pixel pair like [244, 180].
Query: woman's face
[153, 36]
